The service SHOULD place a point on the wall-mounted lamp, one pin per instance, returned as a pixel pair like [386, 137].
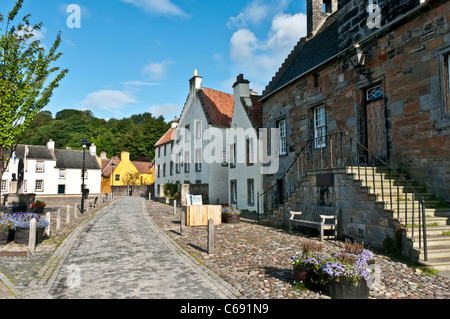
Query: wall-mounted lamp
[358, 60]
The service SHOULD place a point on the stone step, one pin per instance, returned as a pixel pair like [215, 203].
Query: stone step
[441, 264]
[437, 230]
[436, 253]
[433, 241]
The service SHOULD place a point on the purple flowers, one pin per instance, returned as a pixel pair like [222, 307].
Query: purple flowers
[22, 220]
[337, 265]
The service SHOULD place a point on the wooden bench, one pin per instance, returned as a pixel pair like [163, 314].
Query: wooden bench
[319, 217]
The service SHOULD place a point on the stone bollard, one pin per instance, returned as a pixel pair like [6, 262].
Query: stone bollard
[32, 238]
[48, 217]
[211, 237]
[68, 215]
[75, 211]
[182, 222]
[175, 207]
[58, 219]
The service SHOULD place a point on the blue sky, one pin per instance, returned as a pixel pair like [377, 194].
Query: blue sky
[135, 56]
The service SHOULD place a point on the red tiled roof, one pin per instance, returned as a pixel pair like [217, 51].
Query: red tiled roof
[107, 170]
[255, 112]
[218, 106]
[168, 137]
[143, 167]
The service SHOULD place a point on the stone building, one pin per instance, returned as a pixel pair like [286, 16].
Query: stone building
[368, 89]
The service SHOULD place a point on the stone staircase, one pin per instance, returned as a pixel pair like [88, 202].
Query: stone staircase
[397, 200]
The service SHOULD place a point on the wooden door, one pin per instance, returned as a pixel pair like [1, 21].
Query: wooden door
[376, 130]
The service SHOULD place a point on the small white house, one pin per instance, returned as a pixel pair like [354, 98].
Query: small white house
[244, 174]
[165, 169]
[199, 143]
[44, 170]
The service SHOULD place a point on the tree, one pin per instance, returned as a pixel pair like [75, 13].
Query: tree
[26, 85]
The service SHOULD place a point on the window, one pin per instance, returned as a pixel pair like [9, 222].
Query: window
[443, 65]
[326, 7]
[187, 160]
[198, 160]
[165, 150]
[178, 164]
[171, 168]
[39, 187]
[233, 191]
[320, 130]
[4, 186]
[374, 93]
[164, 170]
[232, 155]
[187, 133]
[39, 166]
[250, 192]
[159, 151]
[158, 169]
[250, 152]
[117, 177]
[283, 142]
[198, 129]
[62, 173]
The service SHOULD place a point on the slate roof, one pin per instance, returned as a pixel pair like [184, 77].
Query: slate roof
[218, 106]
[73, 159]
[35, 152]
[307, 54]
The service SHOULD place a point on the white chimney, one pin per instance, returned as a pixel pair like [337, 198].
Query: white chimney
[195, 82]
[241, 89]
[175, 123]
[51, 145]
[103, 155]
[93, 149]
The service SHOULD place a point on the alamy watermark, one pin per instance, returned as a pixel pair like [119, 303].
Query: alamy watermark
[73, 276]
[236, 146]
[74, 19]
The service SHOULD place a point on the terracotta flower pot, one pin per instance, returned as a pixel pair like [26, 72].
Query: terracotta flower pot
[233, 219]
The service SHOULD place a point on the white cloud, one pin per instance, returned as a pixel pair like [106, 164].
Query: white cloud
[167, 110]
[140, 83]
[256, 12]
[158, 7]
[259, 59]
[112, 100]
[157, 71]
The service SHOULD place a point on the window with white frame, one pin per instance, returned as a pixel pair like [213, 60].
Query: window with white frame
[39, 185]
[4, 186]
[62, 173]
[198, 129]
[233, 191]
[198, 160]
[250, 192]
[178, 164]
[250, 152]
[187, 160]
[320, 129]
[39, 166]
[232, 158]
[282, 141]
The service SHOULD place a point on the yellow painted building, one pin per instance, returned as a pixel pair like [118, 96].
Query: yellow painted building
[123, 171]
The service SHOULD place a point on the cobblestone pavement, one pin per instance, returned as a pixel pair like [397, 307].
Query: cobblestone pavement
[119, 254]
[113, 256]
[255, 260]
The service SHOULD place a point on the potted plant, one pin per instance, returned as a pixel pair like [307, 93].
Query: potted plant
[307, 264]
[16, 207]
[22, 227]
[231, 215]
[38, 207]
[6, 225]
[346, 273]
